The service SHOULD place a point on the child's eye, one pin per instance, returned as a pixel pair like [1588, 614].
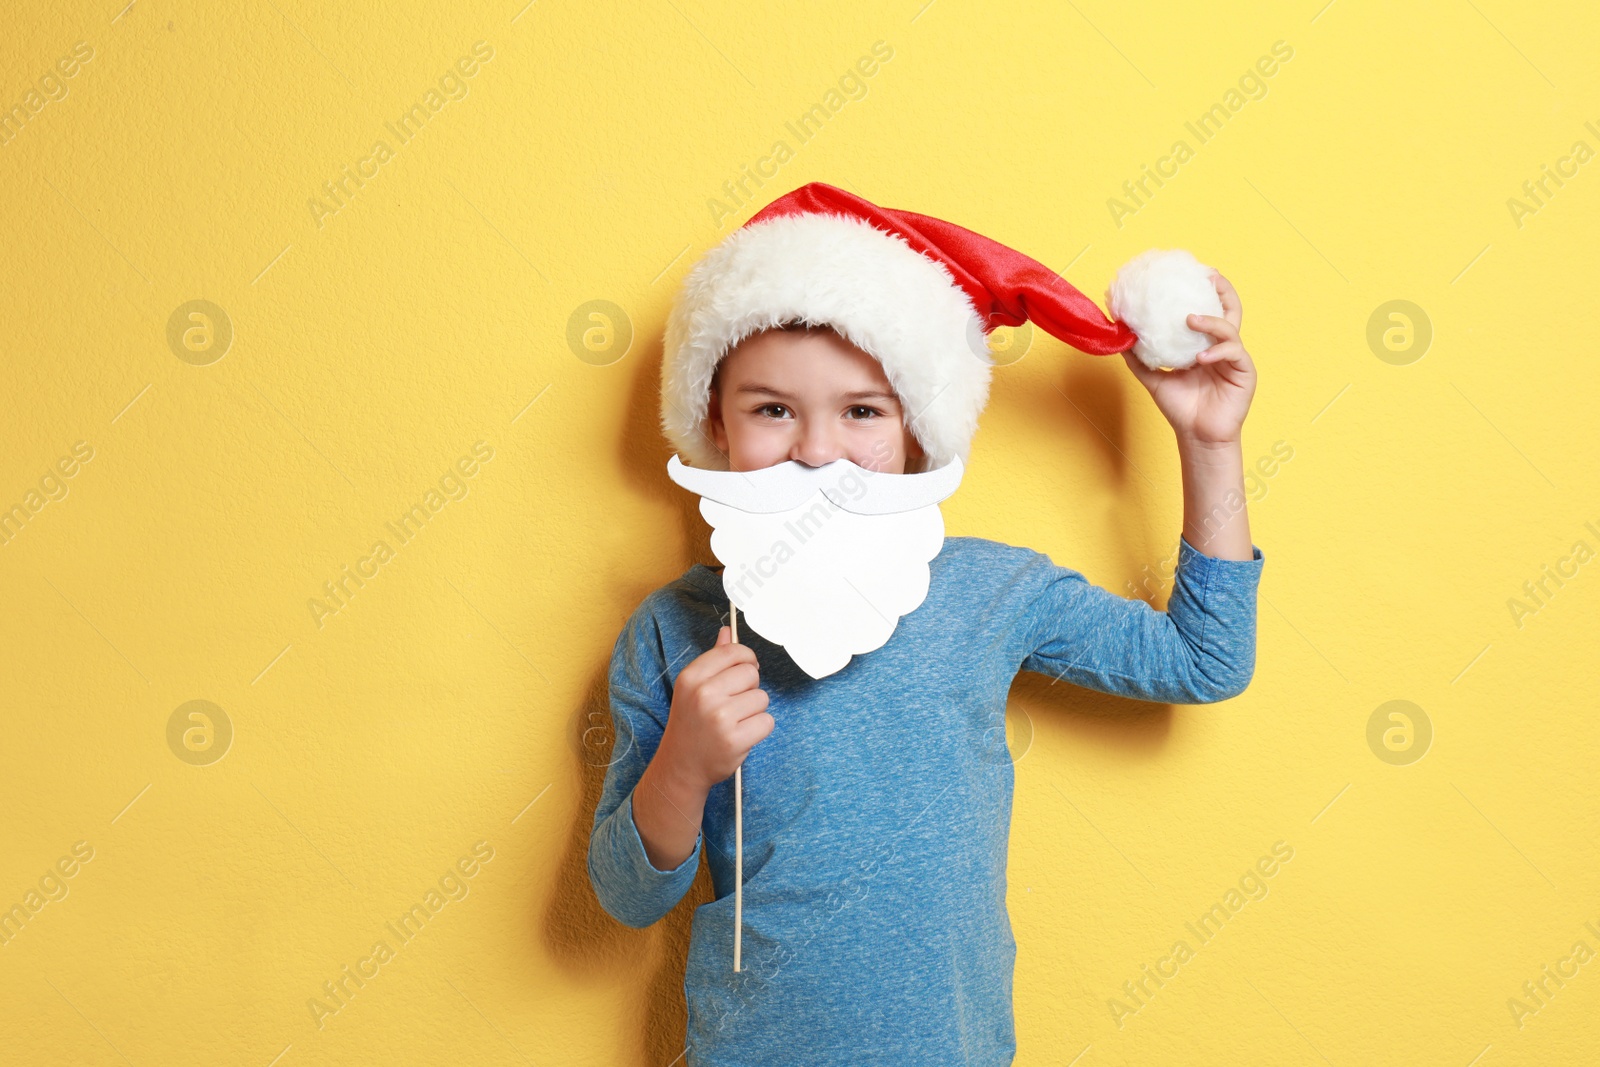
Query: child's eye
[765, 408]
[870, 412]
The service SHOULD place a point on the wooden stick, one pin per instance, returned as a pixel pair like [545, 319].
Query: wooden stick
[738, 827]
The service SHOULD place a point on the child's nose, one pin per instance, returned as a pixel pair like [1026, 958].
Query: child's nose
[816, 446]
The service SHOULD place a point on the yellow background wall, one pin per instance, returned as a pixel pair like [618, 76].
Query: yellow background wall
[453, 702]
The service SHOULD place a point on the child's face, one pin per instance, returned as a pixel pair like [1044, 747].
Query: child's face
[812, 397]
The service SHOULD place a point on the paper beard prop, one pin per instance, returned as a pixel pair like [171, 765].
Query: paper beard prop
[825, 560]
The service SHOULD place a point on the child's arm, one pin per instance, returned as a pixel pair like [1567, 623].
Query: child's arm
[718, 714]
[1202, 648]
[631, 888]
[1206, 405]
[669, 749]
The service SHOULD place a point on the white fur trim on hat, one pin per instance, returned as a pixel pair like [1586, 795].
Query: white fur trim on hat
[1155, 292]
[894, 303]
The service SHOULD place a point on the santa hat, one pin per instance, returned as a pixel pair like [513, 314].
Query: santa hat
[918, 294]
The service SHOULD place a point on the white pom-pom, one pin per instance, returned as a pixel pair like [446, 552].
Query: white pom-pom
[1154, 294]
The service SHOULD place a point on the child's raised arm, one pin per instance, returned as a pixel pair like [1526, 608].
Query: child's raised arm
[1206, 405]
[1202, 648]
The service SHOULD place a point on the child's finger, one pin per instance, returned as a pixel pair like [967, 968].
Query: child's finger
[753, 726]
[1231, 353]
[713, 661]
[1232, 309]
[1221, 329]
[734, 679]
[726, 655]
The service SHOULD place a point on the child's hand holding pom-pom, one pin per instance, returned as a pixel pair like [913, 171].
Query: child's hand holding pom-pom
[1189, 355]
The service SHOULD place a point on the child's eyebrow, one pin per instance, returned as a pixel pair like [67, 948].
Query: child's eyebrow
[860, 394]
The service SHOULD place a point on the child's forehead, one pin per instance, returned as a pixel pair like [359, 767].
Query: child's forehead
[816, 358]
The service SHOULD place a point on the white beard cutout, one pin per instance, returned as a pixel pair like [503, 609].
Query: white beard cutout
[823, 561]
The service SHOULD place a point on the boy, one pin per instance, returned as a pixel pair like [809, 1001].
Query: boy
[877, 799]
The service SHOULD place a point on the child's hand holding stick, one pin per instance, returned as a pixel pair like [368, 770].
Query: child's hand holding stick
[718, 714]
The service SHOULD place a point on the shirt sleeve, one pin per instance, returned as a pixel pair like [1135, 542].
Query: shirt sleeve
[631, 888]
[1200, 650]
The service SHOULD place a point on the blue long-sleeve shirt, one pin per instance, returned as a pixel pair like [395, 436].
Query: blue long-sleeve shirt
[877, 812]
